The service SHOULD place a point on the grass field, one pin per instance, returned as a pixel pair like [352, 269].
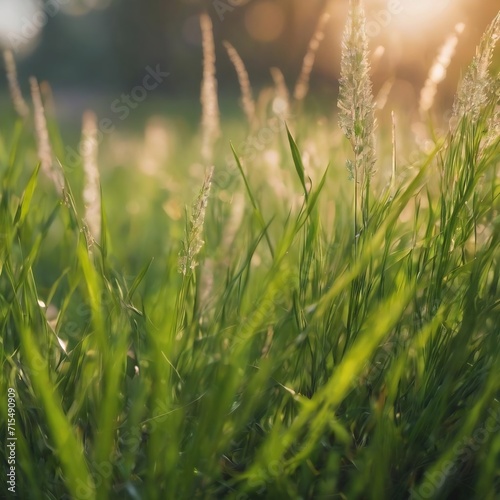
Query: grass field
[294, 333]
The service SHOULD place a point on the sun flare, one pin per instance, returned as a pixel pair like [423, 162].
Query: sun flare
[418, 15]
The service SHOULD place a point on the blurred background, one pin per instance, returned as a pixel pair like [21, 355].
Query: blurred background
[96, 54]
[92, 50]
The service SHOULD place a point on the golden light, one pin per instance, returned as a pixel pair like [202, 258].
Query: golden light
[419, 15]
[265, 21]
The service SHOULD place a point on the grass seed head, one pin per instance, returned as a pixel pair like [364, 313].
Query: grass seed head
[194, 241]
[281, 103]
[437, 72]
[15, 91]
[302, 86]
[209, 101]
[356, 102]
[356, 108]
[247, 99]
[45, 156]
[493, 127]
[474, 91]
[91, 192]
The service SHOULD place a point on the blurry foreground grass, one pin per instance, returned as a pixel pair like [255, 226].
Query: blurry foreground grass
[297, 359]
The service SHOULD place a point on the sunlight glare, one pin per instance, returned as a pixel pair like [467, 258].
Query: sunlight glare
[418, 15]
[20, 24]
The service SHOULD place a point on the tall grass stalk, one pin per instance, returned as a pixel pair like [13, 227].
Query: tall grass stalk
[209, 101]
[306, 373]
[281, 104]
[194, 241]
[394, 151]
[437, 72]
[356, 109]
[302, 85]
[247, 99]
[476, 85]
[49, 168]
[15, 90]
[91, 191]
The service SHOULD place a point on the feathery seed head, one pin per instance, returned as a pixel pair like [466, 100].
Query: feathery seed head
[302, 86]
[281, 104]
[247, 100]
[474, 91]
[493, 126]
[15, 91]
[91, 192]
[437, 72]
[53, 172]
[356, 106]
[209, 101]
[194, 241]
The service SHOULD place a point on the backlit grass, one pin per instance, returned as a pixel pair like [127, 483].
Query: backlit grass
[308, 349]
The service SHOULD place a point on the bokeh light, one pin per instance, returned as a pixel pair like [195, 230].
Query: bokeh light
[420, 15]
[20, 24]
[265, 21]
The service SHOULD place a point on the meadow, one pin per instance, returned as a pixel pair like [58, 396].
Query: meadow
[284, 305]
